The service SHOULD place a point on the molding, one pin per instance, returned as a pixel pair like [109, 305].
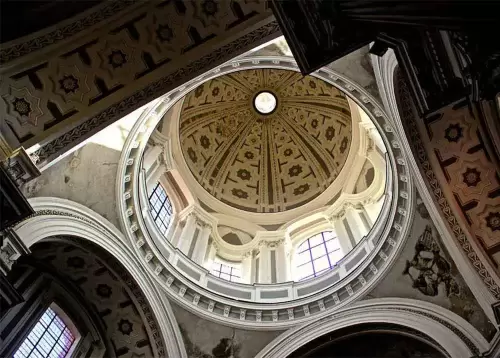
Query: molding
[392, 231]
[52, 147]
[455, 335]
[55, 34]
[59, 217]
[484, 291]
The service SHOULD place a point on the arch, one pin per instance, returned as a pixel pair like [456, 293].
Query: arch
[56, 216]
[455, 335]
[465, 253]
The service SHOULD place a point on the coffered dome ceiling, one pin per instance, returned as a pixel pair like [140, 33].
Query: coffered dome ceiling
[265, 140]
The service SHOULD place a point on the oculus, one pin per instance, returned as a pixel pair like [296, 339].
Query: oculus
[265, 102]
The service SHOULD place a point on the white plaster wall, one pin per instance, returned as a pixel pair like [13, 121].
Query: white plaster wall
[87, 176]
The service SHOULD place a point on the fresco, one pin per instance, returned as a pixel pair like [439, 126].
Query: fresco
[205, 339]
[428, 270]
[425, 271]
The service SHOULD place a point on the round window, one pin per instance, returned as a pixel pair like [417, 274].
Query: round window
[265, 102]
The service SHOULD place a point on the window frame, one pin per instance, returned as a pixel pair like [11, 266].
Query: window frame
[219, 273]
[311, 259]
[68, 324]
[165, 203]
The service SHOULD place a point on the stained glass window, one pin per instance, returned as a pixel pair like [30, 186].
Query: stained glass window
[317, 254]
[161, 208]
[226, 272]
[49, 338]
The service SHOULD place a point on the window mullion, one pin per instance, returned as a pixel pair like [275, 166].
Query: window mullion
[57, 340]
[35, 345]
[47, 332]
[311, 257]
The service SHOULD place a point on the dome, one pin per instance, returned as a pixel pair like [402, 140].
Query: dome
[265, 140]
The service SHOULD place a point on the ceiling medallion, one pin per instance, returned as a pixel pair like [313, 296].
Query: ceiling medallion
[265, 102]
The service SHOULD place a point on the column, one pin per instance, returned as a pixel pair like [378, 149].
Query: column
[187, 233]
[151, 156]
[176, 237]
[373, 209]
[247, 267]
[282, 261]
[202, 244]
[264, 263]
[344, 241]
[154, 177]
[356, 224]
[212, 252]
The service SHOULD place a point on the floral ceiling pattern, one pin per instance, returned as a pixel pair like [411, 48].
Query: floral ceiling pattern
[132, 53]
[113, 293]
[272, 162]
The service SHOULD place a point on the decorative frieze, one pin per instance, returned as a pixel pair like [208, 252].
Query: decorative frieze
[258, 316]
[306, 310]
[275, 315]
[349, 290]
[336, 299]
[158, 269]
[182, 291]
[211, 306]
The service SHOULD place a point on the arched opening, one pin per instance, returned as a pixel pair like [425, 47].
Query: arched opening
[372, 340]
[77, 301]
[53, 335]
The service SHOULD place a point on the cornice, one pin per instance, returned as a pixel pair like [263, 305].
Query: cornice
[391, 228]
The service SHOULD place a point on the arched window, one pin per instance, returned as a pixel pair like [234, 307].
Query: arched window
[226, 272]
[161, 208]
[317, 254]
[50, 337]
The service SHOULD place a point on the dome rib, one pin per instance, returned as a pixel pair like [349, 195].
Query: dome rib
[272, 162]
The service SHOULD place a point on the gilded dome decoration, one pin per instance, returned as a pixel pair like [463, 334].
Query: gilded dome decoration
[265, 140]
